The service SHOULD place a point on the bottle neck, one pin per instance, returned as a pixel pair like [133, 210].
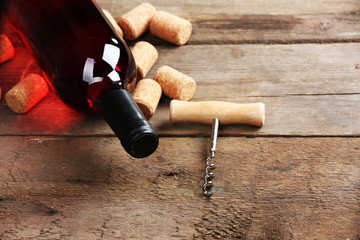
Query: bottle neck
[136, 134]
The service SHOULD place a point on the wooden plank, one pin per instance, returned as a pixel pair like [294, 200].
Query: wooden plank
[285, 116]
[270, 29]
[266, 188]
[246, 70]
[248, 25]
[267, 70]
[305, 91]
[260, 21]
[242, 7]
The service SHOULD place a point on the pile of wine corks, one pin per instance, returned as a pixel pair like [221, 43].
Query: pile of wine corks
[167, 80]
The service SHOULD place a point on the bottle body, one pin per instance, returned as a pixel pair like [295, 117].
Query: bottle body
[78, 50]
[86, 63]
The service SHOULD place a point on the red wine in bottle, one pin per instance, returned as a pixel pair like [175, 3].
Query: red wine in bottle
[86, 63]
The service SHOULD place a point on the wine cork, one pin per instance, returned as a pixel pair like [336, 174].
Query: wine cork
[175, 84]
[27, 93]
[113, 22]
[171, 28]
[147, 95]
[6, 48]
[145, 56]
[137, 21]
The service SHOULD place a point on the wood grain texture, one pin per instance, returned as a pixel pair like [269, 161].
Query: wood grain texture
[305, 91]
[235, 22]
[269, 188]
[271, 29]
[247, 69]
[243, 7]
[64, 175]
[238, 22]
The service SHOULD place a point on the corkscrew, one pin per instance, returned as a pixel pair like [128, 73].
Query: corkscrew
[209, 175]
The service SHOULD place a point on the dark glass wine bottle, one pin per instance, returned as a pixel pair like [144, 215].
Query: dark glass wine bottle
[86, 63]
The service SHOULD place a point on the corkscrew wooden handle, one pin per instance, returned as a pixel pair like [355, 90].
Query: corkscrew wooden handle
[226, 112]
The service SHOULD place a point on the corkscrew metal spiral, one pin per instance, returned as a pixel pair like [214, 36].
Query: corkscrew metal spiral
[209, 175]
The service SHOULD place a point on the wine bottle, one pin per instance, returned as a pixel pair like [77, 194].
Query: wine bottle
[86, 63]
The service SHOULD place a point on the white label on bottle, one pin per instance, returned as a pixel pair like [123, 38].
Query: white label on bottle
[88, 73]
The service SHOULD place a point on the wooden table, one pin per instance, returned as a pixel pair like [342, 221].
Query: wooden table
[64, 175]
